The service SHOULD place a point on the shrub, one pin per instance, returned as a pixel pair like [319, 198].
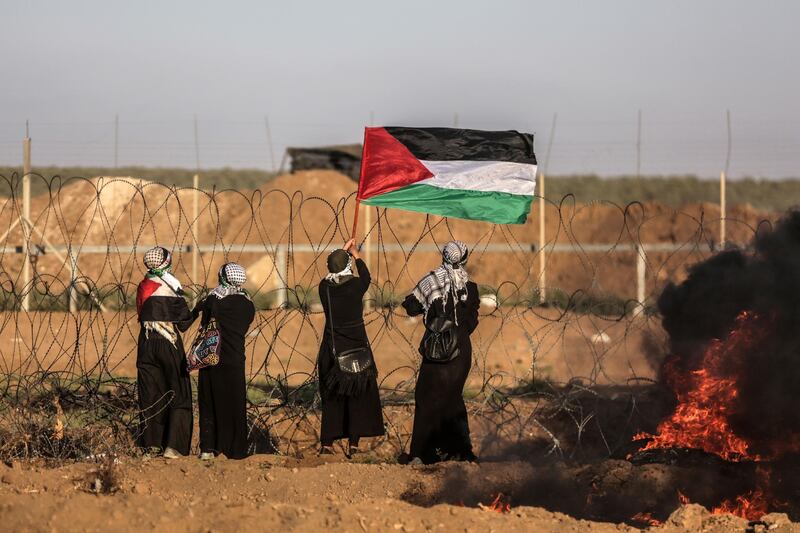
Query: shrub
[584, 303]
[302, 298]
[386, 298]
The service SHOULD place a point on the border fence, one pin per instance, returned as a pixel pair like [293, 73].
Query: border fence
[280, 254]
[70, 261]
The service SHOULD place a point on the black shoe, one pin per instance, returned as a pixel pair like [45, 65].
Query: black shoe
[326, 450]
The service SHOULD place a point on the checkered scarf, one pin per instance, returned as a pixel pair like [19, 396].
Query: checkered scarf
[231, 278]
[449, 278]
[336, 277]
[158, 261]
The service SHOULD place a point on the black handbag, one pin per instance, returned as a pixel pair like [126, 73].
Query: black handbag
[440, 341]
[353, 366]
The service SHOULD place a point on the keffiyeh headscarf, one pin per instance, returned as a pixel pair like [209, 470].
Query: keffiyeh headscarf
[231, 278]
[449, 278]
[158, 261]
[340, 267]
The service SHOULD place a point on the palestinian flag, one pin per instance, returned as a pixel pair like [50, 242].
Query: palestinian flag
[472, 174]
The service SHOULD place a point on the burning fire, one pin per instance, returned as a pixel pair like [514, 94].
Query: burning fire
[706, 397]
[497, 505]
[646, 519]
[752, 506]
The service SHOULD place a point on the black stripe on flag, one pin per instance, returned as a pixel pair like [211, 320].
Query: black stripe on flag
[452, 144]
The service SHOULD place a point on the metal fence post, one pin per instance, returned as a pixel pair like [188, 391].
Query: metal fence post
[722, 198]
[542, 262]
[73, 284]
[641, 271]
[195, 214]
[26, 221]
[282, 268]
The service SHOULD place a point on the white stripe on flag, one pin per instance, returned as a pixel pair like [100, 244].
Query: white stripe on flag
[493, 176]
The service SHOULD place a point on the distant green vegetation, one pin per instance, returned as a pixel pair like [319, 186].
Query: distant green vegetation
[222, 178]
[775, 195]
[669, 190]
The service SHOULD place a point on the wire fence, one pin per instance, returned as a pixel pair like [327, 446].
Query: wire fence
[647, 142]
[71, 261]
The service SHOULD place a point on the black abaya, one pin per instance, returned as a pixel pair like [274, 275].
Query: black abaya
[222, 388]
[346, 416]
[441, 427]
[165, 394]
[165, 391]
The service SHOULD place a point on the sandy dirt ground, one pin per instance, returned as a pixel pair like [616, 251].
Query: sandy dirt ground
[271, 493]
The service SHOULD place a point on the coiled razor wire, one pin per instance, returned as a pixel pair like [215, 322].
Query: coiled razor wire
[67, 362]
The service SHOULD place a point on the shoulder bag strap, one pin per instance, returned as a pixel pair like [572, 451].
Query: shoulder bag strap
[207, 312]
[330, 318]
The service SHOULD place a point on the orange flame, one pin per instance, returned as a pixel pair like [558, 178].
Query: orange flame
[705, 397]
[646, 519]
[497, 505]
[752, 506]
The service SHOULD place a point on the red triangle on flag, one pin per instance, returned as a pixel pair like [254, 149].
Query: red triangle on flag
[145, 289]
[387, 165]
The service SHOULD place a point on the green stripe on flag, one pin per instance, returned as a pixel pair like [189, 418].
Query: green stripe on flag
[497, 207]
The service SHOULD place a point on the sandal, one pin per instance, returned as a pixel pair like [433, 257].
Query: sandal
[326, 450]
[352, 450]
[171, 453]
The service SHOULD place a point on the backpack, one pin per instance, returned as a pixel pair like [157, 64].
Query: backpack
[440, 342]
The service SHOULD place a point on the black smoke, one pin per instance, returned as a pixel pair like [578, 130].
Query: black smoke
[765, 279]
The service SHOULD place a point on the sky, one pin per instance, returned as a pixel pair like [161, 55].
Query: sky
[321, 71]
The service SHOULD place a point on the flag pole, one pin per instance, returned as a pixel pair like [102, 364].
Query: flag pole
[360, 178]
[355, 219]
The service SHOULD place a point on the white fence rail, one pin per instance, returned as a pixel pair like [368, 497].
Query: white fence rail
[280, 253]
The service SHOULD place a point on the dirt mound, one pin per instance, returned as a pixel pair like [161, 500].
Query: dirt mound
[311, 200]
[316, 207]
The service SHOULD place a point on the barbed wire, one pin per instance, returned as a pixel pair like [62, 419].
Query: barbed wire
[68, 331]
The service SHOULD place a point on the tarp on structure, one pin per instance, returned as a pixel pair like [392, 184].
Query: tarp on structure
[344, 158]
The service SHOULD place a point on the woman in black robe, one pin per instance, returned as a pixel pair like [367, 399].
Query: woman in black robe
[441, 427]
[222, 388]
[351, 405]
[165, 391]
